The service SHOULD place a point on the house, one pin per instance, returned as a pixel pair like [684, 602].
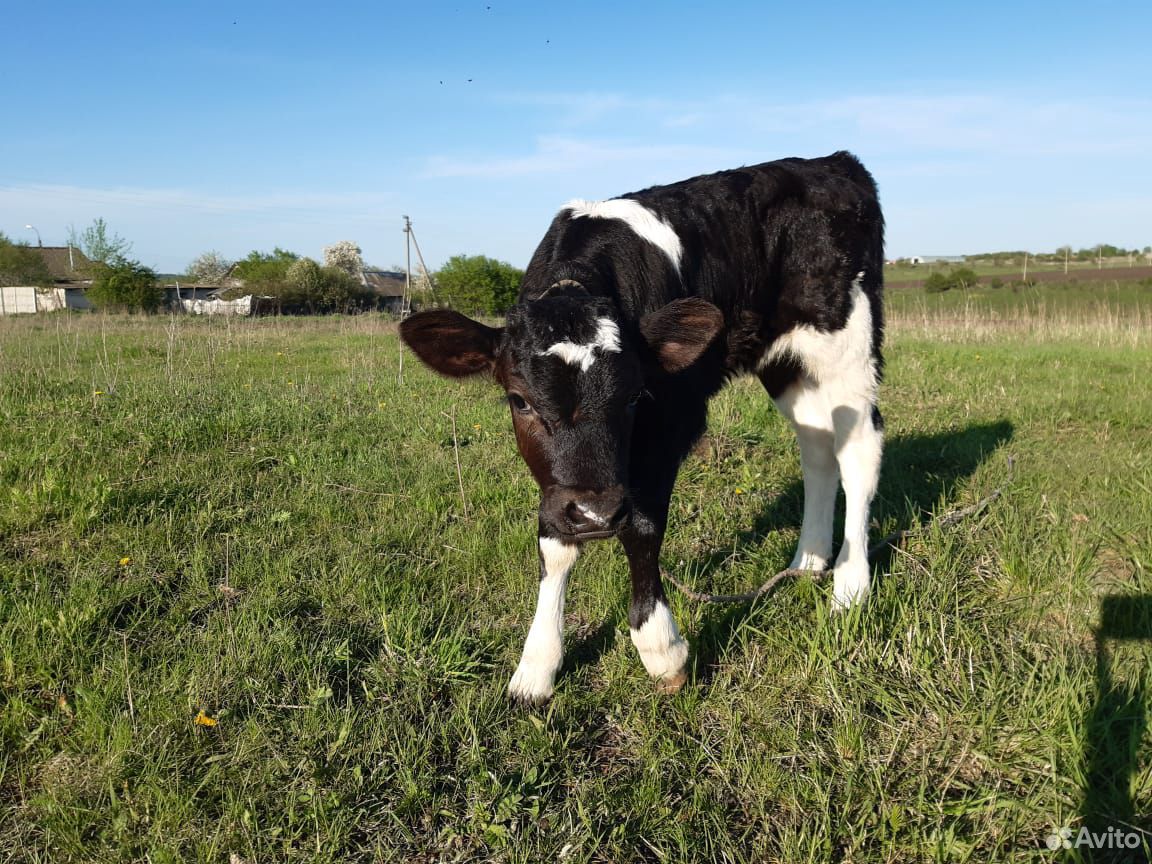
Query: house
[387, 286]
[71, 271]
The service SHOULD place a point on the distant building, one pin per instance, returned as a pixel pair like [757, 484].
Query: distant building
[71, 271]
[936, 259]
[387, 286]
[66, 264]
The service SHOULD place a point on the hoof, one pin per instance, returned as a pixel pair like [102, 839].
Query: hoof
[850, 587]
[673, 684]
[531, 685]
[528, 700]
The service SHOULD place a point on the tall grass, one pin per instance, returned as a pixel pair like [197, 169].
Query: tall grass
[249, 611]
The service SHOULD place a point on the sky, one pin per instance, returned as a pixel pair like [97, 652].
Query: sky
[241, 126]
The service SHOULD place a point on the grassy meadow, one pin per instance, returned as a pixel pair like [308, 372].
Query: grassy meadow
[261, 594]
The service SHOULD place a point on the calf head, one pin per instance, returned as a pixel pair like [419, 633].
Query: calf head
[575, 374]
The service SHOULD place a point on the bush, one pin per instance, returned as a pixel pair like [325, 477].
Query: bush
[477, 285]
[322, 289]
[937, 283]
[126, 286]
[301, 284]
[959, 279]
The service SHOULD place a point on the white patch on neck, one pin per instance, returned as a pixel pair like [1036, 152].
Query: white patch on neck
[639, 218]
[607, 339]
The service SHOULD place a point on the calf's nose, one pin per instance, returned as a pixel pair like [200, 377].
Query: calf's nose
[587, 511]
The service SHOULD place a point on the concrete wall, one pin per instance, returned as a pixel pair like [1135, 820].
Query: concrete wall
[28, 299]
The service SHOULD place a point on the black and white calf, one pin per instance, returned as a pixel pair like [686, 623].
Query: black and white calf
[632, 314]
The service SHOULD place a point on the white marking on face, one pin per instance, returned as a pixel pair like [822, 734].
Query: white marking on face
[662, 648]
[607, 338]
[639, 218]
[544, 648]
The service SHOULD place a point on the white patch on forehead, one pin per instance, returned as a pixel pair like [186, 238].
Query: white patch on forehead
[607, 339]
[639, 218]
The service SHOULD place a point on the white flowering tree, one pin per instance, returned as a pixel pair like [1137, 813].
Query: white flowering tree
[209, 269]
[344, 255]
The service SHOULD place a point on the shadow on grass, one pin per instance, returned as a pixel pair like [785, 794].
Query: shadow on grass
[919, 471]
[1114, 728]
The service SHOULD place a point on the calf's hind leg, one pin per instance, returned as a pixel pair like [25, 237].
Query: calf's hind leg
[807, 410]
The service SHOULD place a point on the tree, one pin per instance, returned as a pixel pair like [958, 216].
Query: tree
[127, 286]
[20, 265]
[344, 255]
[266, 272]
[475, 284]
[209, 268]
[99, 244]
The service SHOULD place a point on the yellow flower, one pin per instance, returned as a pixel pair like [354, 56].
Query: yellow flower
[475, 425]
[203, 719]
[125, 561]
[739, 491]
[97, 392]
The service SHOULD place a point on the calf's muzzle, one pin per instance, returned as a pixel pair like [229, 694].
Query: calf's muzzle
[584, 514]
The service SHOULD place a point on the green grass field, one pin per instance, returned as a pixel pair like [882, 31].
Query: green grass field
[250, 613]
[1010, 268]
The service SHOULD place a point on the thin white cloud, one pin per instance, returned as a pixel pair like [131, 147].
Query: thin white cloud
[16, 195]
[555, 155]
[997, 124]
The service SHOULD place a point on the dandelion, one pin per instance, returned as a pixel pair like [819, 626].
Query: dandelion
[739, 491]
[125, 561]
[97, 392]
[202, 719]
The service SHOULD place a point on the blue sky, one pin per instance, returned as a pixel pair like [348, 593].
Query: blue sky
[242, 126]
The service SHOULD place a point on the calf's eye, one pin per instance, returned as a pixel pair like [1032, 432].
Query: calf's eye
[518, 404]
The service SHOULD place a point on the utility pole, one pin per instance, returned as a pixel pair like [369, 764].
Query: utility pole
[1067, 249]
[407, 268]
[406, 299]
[1025, 277]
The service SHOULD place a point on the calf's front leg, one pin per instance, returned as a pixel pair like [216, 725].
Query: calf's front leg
[544, 647]
[663, 650]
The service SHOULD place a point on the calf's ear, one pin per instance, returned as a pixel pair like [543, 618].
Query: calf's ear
[451, 343]
[680, 331]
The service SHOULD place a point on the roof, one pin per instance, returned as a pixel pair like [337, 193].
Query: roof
[61, 266]
[386, 283]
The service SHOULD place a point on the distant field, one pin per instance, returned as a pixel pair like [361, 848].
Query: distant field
[1042, 271]
[246, 611]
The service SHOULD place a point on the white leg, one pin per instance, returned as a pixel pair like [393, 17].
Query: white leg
[662, 649]
[858, 449]
[804, 404]
[544, 647]
[834, 398]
